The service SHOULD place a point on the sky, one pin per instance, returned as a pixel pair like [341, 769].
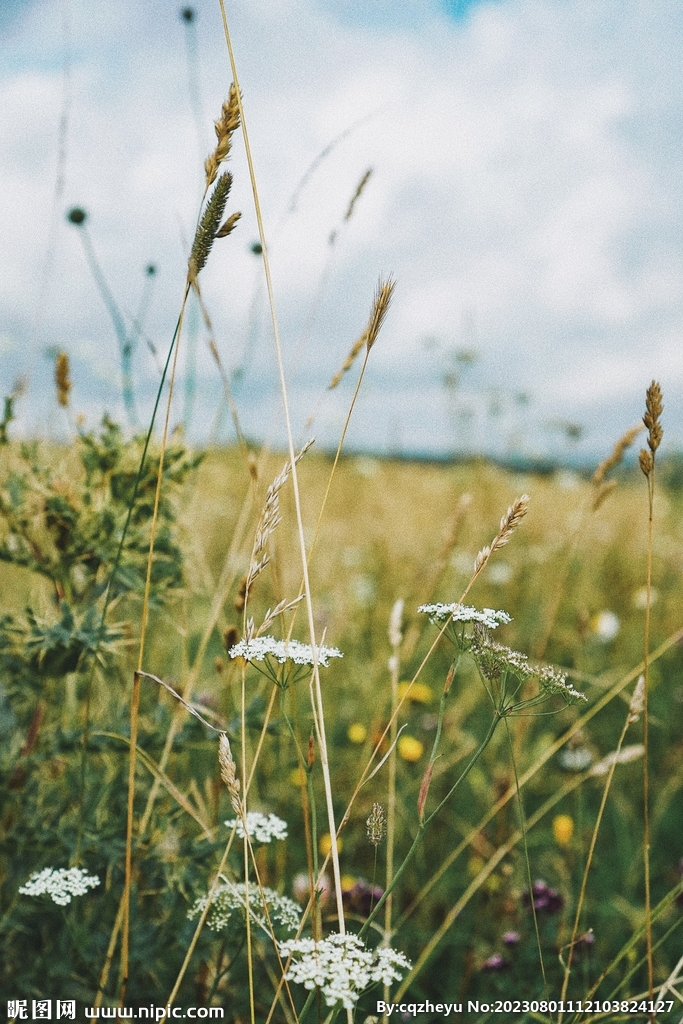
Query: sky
[525, 195]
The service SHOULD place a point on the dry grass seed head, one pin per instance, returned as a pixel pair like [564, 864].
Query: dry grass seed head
[208, 226]
[227, 123]
[62, 379]
[229, 773]
[653, 410]
[508, 524]
[617, 455]
[270, 517]
[380, 308]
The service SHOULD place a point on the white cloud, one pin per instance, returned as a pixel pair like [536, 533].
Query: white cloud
[526, 181]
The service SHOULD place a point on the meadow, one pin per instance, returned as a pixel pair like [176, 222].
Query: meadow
[304, 736]
[572, 580]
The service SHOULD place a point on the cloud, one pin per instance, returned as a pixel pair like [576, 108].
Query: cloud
[525, 192]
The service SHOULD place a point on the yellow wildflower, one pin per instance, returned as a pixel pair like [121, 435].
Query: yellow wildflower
[357, 732]
[563, 829]
[410, 749]
[325, 844]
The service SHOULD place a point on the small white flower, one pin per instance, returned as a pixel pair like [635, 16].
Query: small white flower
[60, 884]
[260, 827]
[341, 967]
[261, 647]
[439, 613]
[231, 897]
[606, 625]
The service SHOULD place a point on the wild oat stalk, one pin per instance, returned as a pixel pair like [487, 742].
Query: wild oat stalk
[315, 688]
[653, 411]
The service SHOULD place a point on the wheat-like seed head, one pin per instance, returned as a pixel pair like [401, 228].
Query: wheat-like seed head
[270, 517]
[227, 123]
[229, 773]
[508, 524]
[209, 225]
[349, 361]
[617, 455]
[62, 379]
[380, 308]
[653, 410]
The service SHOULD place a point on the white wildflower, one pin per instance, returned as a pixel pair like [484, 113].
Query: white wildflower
[261, 647]
[605, 625]
[553, 681]
[231, 897]
[439, 613]
[341, 967]
[496, 661]
[60, 884]
[260, 827]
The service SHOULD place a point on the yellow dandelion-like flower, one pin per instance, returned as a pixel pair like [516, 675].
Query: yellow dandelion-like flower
[410, 749]
[419, 693]
[297, 776]
[357, 732]
[563, 829]
[347, 882]
[325, 844]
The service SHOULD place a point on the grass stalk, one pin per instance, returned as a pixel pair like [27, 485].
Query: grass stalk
[630, 718]
[135, 697]
[316, 692]
[651, 419]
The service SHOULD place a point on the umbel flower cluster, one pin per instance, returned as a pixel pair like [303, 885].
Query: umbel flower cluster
[231, 897]
[496, 661]
[341, 967]
[440, 613]
[261, 647]
[259, 827]
[60, 884]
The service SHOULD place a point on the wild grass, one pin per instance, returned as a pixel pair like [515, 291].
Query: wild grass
[170, 681]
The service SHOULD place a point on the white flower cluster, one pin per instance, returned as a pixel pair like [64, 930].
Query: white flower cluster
[231, 897]
[553, 681]
[259, 827]
[439, 613]
[260, 647]
[495, 658]
[341, 967]
[61, 884]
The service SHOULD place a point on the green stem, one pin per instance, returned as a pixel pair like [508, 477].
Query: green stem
[423, 824]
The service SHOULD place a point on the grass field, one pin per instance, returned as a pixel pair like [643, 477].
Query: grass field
[571, 578]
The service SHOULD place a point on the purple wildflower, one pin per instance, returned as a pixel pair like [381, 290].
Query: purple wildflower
[544, 897]
[495, 963]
